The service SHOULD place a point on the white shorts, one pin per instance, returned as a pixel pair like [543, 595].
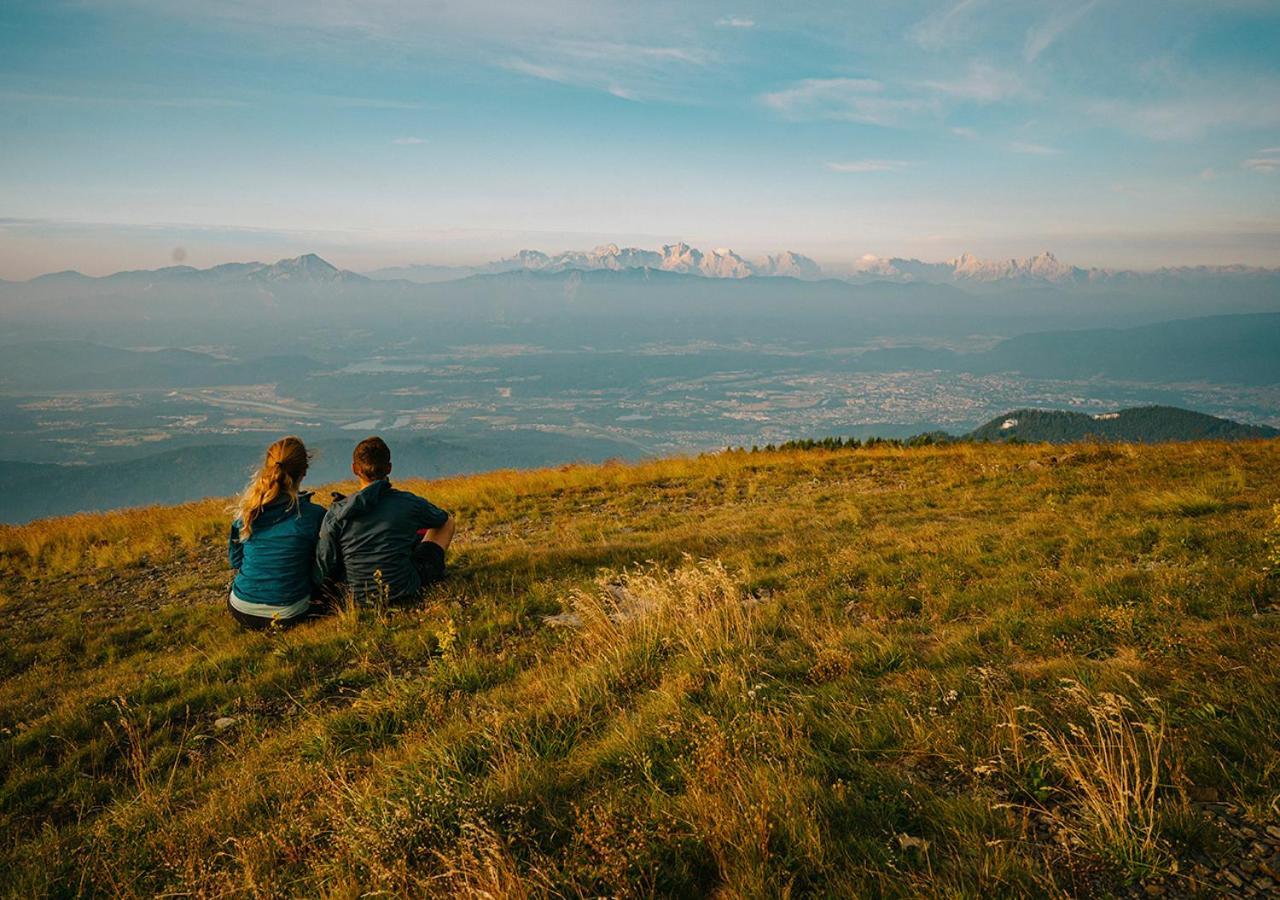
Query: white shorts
[270, 610]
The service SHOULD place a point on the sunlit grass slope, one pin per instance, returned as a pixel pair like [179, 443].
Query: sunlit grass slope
[967, 670]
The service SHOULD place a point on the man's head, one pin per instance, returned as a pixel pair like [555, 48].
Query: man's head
[371, 460]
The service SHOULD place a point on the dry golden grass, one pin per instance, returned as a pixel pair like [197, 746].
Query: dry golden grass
[805, 673]
[1117, 767]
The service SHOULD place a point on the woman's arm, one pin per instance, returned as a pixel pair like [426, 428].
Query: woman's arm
[235, 549]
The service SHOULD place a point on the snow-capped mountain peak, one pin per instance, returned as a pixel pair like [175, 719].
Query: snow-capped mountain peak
[680, 257]
[791, 264]
[724, 263]
[307, 267]
[1043, 266]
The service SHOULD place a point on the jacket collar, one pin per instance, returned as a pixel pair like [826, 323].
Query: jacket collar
[366, 499]
[280, 509]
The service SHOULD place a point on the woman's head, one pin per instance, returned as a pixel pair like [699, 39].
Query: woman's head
[280, 476]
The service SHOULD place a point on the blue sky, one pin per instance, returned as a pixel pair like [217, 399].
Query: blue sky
[1115, 132]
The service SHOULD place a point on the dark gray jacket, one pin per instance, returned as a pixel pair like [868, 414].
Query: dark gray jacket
[367, 540]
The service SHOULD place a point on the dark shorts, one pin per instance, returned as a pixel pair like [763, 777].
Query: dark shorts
[323, 602]
[261, 623]
[428, 559]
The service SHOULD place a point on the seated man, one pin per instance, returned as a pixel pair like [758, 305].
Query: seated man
[380, 541]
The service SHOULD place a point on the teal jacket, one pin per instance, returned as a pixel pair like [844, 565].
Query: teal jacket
[367, 540]
[276, 564]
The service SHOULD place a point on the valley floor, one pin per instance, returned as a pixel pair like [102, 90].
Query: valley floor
[967, 670]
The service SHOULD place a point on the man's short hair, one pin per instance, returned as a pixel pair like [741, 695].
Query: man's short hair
[372, 459]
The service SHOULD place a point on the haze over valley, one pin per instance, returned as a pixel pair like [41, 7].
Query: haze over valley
[585, 356]
[512, 236]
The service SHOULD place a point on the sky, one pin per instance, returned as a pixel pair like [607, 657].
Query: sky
[1124, 133]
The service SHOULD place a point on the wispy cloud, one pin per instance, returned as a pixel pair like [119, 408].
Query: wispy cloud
[961, 131]
[1266, 161]
[640, 51]
[409, 141]
[1061, 20]
[634, 54]
[630, 71]
[1033, 149]
[567, 76]
[982, 83]
[946, 25]
[868, 165]
[872, 102]
[844, 99]
[534, 70]
[957, 22]
[1198, 108]
[736, 22]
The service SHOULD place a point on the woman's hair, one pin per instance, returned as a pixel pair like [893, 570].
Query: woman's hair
[280, 475]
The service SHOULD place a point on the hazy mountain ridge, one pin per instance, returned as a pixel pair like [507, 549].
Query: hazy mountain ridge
[263, 306]
[85, 364]
[1237, 349]
[968, 270]
[308, 267]
[1232, 349]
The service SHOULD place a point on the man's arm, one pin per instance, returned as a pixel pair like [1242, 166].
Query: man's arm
[328, 566]
[427, 515]
[235, 549]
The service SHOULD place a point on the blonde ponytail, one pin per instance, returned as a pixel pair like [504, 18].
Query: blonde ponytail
[280, 475]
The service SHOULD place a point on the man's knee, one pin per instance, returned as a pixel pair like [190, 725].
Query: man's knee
[428, 559]
[441, 535]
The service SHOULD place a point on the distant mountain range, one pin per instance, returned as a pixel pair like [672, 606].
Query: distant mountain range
[1142, 425]
[1043, 269]
[680, 257]
[966, 269]
[263, 308]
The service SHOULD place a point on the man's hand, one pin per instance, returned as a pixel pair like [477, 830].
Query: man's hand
[334, 496]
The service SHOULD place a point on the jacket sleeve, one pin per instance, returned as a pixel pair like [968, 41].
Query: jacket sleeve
[328, 565]
[235, 549]
[427, 514]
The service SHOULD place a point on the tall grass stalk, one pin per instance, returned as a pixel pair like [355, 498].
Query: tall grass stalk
[1114, 763]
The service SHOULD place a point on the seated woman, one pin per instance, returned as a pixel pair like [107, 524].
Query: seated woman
[273, 541]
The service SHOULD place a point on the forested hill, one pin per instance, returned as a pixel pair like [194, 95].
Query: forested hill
[1142, 425]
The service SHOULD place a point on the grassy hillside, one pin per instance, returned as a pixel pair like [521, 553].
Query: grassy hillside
[964, 670]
